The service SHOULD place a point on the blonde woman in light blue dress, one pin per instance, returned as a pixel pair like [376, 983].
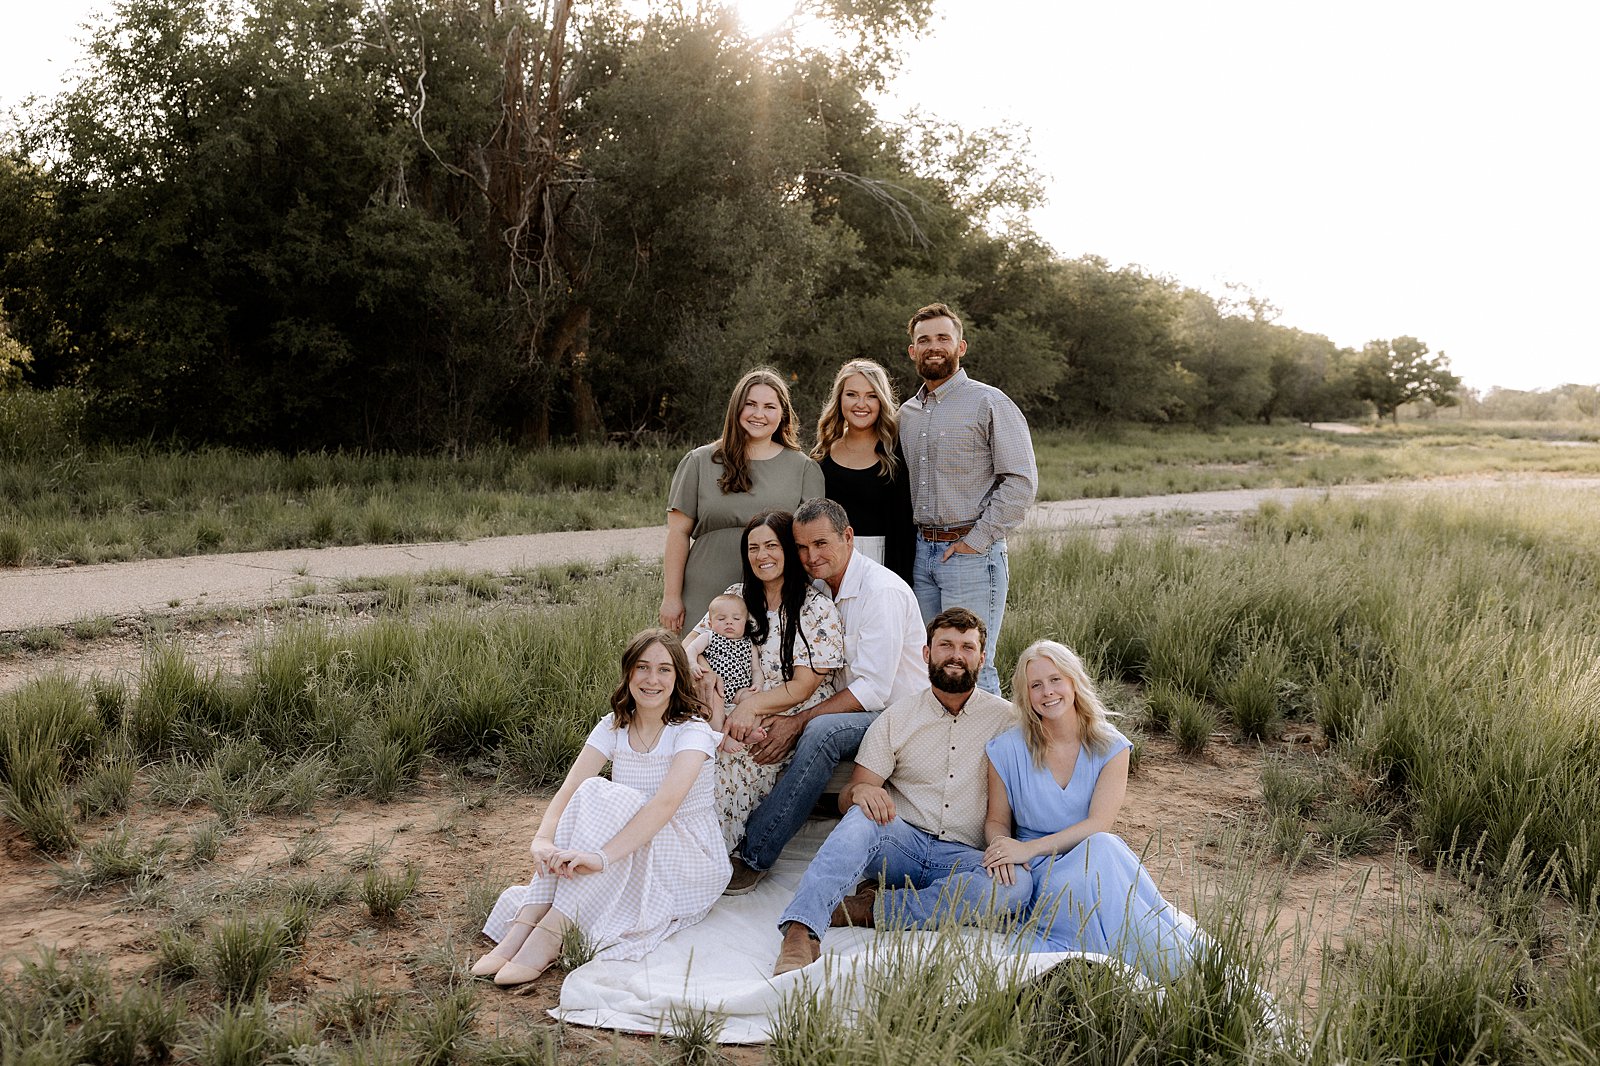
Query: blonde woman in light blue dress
[1056, 785]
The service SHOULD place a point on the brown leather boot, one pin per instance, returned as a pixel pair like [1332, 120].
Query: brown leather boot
[800, 949]
[856, 910]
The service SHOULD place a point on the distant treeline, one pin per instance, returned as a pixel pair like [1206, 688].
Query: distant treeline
[427, 224]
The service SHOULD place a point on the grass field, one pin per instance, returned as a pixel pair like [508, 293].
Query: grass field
[1447, 649]
[59, 500]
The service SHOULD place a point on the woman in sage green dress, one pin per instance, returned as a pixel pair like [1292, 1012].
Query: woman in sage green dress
[755, 466]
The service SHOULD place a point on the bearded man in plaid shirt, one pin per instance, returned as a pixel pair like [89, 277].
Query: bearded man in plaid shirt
[973, 478]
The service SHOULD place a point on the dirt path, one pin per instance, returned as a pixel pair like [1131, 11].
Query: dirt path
[44, 596]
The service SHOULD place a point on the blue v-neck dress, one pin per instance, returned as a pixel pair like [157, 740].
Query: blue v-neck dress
[1098, 896]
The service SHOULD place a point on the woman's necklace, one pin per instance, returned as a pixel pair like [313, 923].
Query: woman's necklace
[637, 734]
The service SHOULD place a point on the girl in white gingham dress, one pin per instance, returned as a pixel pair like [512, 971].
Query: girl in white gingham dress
[632, 859]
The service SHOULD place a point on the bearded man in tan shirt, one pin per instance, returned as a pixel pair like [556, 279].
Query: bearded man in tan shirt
[914, 810]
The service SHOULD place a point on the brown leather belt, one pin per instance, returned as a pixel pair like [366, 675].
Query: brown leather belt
[943, 533]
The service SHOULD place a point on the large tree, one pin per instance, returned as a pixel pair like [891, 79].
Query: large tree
[1391, 373]
[425, 222]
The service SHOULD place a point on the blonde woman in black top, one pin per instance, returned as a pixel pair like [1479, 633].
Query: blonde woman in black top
[862, 465]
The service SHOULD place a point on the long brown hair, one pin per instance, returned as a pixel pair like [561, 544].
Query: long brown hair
[682, 705]
[831, 424]
[793, 596]
[732, 450]
[1094, 729]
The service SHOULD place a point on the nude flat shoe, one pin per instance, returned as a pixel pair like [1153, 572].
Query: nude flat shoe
[491, 963]
[516, 973]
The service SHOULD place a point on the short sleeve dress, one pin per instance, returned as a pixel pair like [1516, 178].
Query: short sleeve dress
[638, 901]
[1098, 896]
[742, 783]
[878, 506]
[776, 484]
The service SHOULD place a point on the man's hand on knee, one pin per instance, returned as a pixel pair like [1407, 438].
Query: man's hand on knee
[783, 732]
[874, 802]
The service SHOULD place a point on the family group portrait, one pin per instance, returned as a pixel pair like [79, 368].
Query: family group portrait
[725, 733]
[809, 532]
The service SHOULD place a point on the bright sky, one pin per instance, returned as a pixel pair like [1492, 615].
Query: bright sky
[1373, 167]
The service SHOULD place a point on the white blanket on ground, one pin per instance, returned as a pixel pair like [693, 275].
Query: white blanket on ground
[724, 964]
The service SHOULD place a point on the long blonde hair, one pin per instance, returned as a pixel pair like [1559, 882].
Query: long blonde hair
[831, 425]
[1094, 727]
[732, 451]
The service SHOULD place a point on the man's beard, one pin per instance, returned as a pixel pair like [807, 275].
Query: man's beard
[944, 682]
[926, 371]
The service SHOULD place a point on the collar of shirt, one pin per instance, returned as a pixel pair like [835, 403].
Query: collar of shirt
[924, 394]
[850, 585]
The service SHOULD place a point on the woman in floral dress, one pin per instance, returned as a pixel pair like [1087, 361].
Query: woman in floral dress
[801, 642]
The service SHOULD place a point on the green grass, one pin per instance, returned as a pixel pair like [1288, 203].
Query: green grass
[1452, 640]
[116, 504]
[1155, 460]
[103, 505]
[1446, 647]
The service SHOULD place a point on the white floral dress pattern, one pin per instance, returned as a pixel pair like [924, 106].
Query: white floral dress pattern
[742, 783]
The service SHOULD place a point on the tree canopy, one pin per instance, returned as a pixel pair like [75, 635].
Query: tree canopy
[1395, 372]
[432, 223]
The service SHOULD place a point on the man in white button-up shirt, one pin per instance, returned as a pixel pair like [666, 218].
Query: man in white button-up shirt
[883, 641]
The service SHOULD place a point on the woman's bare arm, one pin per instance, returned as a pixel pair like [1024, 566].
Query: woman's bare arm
[1109, 791]
[674, 558]
[642, 827]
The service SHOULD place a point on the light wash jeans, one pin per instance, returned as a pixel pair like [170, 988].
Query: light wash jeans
[926, 879]
[823, 745]
[976, 582]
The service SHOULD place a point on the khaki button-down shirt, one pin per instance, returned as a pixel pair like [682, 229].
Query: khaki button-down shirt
[934, 763]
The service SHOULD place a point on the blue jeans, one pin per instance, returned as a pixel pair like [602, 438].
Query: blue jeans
[926, 879]
[823, 745]
[976, 582]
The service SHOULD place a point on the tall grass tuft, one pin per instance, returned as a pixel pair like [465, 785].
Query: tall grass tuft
[240, 1033]
[52, 715]
[1192, 722]
[441, 1030]
[1253, 694]
[385, 893]
[117, 857]
[357, 1009]
[35, 798]
[107, 788]
[241, 956]
[694, 1033]
[143, 1024]
[578, 948]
